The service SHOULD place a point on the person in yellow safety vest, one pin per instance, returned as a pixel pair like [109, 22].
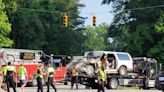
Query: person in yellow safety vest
[50, 77]
[39, 77]
[10, 76]
[22, 76]
[74, 78]
[102, 78]
[4, 70]
[1, 77]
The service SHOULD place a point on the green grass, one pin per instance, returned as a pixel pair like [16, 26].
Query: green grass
[130, 88]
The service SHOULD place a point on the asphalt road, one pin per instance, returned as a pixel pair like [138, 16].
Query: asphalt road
[66, 88]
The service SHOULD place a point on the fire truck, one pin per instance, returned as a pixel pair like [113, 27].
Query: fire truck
[29, 58]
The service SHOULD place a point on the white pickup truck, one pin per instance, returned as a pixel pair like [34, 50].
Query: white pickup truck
[118, 62]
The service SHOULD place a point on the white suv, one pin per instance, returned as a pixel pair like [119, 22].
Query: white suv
[118, 62]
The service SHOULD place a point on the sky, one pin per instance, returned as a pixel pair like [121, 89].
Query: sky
[94, 7]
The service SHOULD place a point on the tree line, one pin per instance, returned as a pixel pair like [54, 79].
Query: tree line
[38, 24]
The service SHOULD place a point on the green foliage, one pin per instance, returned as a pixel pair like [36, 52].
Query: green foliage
[5, 28]
[38, 24]
[95, 38]
[138, 31]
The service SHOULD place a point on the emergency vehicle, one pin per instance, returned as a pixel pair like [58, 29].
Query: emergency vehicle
[59, 63]
[29, 58]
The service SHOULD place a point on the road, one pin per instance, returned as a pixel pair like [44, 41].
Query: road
[66, 88]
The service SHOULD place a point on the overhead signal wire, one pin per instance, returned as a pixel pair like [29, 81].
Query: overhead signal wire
[51, 11]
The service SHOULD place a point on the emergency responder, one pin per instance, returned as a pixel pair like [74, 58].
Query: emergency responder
[104, 60]
[1, 77]
[50, 77]
[22, 76]
[74, 78]
[4, 85]
[10, 77]
[102, 78]
[39, 77]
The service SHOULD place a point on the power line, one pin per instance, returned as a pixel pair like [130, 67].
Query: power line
[51, 11]
[142, 8]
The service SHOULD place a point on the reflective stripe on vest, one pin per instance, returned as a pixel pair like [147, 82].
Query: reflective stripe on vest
[21, 71]
[102, 75]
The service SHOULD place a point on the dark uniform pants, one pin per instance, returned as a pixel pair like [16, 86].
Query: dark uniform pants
[101, 87]
[74, 80]
[40, 84]
[50, 82]
[10, 82]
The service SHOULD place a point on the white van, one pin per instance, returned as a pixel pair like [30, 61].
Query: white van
[118, 62]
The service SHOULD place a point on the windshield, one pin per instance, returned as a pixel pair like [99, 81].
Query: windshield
[56, 63]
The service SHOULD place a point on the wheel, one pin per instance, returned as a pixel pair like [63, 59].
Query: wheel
[65, 83]
[112, 83]
[123, 71]
[34, 82]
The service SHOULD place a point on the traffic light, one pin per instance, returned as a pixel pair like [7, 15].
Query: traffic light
[65, 20]
[94, 20]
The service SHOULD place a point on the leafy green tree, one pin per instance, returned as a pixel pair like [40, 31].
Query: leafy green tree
[96, 38]
[138, 27]
[158, 49]
[38, 24]
[5, 28]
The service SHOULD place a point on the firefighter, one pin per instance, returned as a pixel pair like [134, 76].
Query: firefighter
[102, 78]
[10, 77]
[50, 77]
[39, 77]
[22, 76]
[74, 78]
[104, 60]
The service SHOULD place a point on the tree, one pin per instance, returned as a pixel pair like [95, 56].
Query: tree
[5, 28]
[157, 51]
[95, 38]
[143, 34]
[38, 24]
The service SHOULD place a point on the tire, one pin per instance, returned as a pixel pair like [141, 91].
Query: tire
[122, 71]
[34, 82]
[65, 83]
[112, 83]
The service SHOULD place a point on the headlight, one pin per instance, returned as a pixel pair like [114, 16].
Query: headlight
[96, 81]
[161, 78]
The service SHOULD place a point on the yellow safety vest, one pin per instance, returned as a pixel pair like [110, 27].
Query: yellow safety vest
[39, 75]
[10, 68]
[74, 72]
[50, 71]
[4, 70]
[102, 75]
[21, 71]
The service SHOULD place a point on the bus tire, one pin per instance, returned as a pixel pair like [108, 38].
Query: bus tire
[112, 83]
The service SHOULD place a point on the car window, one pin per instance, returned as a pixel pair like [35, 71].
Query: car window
[123, 57]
